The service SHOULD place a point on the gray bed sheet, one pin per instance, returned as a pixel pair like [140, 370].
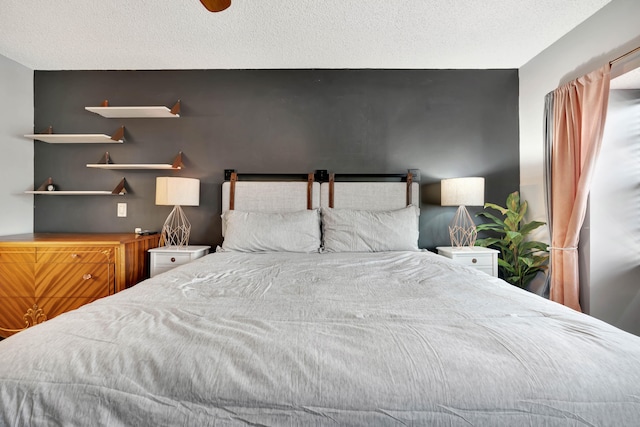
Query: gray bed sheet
[403, 338]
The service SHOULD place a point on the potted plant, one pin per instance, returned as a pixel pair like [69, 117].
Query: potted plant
[520, 259]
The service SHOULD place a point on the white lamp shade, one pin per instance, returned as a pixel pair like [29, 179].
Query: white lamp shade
[462, 192]
[175, 191]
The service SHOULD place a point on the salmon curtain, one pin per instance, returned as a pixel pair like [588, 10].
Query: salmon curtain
[579, 114]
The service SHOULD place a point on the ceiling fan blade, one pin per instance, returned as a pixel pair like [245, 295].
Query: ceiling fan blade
[216, 5]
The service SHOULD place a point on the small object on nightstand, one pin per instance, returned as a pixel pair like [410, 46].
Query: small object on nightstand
[164, 258]
[483, 259]
[141, 232]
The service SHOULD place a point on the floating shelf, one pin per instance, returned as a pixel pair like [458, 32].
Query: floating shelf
[105, 163]
[51, 138]
[150, 112]
[120, 190]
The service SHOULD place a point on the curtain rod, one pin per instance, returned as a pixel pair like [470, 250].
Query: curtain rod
[624, 56]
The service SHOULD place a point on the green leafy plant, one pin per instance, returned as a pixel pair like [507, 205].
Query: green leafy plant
[520, 259]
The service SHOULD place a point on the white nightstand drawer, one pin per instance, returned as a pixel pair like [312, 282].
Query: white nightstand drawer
[474, 260]
[483, 259]
[165, 258]
[172, 259]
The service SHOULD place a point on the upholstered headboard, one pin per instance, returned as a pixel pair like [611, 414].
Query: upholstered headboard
[276, 195]
[270, 214]
[373, 196]
[270, 196]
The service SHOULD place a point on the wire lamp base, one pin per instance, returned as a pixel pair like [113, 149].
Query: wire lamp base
[176, 229]
[462, 229]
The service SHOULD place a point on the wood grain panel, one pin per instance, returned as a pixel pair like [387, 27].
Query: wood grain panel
[137, 259]
[56, 306]
[21, 255]
[77, 254]
[77, 280]
[12, 314]
[17, 279]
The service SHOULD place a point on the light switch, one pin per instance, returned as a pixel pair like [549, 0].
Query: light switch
[122, 209]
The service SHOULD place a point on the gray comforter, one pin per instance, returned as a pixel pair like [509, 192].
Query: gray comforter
[321, 339]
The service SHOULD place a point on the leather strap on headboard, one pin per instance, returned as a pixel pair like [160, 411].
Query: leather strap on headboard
[332, 179]
[409, 182]
[232, 190]
[310, 179]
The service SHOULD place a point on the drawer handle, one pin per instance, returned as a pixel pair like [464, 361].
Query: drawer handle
[173, 259]
[474, 260]
[87, 276]
[74, 256]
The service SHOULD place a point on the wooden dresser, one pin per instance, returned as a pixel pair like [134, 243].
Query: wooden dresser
[45, 274]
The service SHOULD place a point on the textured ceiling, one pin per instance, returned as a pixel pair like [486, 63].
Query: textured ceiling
[182, 34]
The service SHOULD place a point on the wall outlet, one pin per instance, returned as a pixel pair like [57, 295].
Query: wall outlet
[122, 210]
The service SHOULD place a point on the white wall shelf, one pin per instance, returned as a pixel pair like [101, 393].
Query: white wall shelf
[75, 193]
[51, 138]
[145, 112]
[105, 163]
[119, 190]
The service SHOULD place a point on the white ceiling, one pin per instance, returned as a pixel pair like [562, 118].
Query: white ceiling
[182, 34]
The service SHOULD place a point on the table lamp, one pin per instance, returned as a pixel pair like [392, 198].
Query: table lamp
[177, 192]
[462, 192]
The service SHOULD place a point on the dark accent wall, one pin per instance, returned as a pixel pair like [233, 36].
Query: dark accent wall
[446, 123]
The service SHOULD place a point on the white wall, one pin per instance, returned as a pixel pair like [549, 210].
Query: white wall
[614, 271]
[611, 32]
[16, 152]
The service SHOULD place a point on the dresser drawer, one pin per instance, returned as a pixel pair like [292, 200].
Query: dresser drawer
[81, 280]
[12, 315]
[17, 255]
[52, 307]
[16, 280]
[76, 255]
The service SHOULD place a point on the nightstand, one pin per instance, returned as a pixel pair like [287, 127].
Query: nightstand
[165, 258]
[483, 259]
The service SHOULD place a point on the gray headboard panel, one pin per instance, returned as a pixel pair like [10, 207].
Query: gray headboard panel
[378, 196]
[270, 196]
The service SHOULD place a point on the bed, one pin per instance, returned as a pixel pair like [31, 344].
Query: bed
[348, 335]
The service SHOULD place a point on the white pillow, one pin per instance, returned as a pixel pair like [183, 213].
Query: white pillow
[347, 230]
[297, 231]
